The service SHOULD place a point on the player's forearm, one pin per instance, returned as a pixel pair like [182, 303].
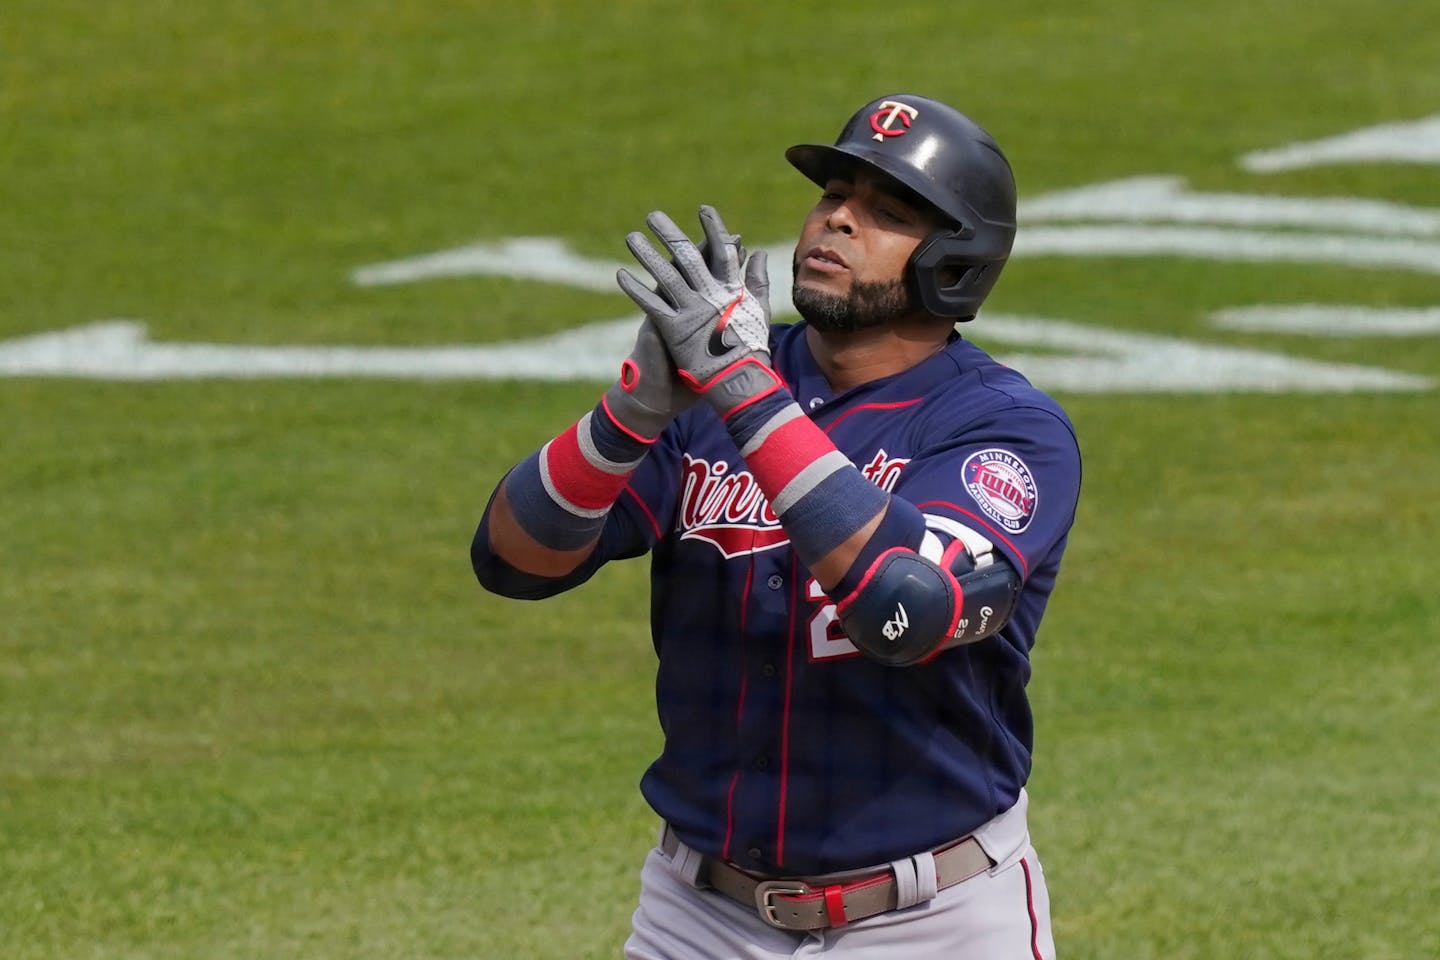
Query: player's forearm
[507, 539]
[830, 569]
[834, 516]
[548, 513]
[545, 519]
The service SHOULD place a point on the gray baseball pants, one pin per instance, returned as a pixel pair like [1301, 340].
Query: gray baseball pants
[1001, 914]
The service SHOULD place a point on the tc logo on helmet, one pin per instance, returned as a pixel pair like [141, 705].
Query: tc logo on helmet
[882, 121]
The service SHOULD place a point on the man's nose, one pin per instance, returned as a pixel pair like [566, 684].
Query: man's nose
[841, 219]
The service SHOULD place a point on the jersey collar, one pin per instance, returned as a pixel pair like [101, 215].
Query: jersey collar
[812, 391]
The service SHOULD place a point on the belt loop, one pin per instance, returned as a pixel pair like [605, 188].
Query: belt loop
[907, 887]
[927, 883]
[835, 905]
[685, 862]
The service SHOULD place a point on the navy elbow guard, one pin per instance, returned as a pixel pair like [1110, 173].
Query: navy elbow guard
[910, 608]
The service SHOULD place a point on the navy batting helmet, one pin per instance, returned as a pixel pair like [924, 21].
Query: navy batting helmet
[946, 159]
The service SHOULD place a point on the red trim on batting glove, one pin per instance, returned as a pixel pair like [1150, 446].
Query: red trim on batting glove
[620, 426]
[629, 375]
[699, 387]
[755, 399]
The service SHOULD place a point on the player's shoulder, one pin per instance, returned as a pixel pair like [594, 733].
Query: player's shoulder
[980, 377]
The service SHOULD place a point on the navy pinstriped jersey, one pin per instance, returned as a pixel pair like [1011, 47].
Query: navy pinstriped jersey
[786, 750]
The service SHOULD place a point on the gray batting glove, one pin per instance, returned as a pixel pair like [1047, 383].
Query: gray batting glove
[714, 317]
[648, 394]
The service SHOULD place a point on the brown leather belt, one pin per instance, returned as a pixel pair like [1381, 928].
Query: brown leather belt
[833, 901]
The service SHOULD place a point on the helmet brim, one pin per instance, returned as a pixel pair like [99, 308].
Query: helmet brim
[818, 161]
[821, 161]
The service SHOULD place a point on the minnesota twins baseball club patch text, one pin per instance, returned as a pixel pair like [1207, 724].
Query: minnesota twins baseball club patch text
[1002, 486]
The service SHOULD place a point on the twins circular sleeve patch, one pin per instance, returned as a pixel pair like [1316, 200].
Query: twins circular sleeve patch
[1002, 487]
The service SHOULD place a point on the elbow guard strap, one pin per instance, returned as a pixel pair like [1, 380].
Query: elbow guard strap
[909, 608]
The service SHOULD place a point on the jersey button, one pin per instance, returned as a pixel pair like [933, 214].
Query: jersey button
[767, 670]
[775, 582]
[754, 853]
[762, 762]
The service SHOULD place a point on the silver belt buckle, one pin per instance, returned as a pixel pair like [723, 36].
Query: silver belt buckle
[767, 890]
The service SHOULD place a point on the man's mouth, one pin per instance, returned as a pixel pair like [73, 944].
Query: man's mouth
[824, 260]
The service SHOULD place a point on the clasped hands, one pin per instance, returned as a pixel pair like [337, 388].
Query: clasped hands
[707, 327]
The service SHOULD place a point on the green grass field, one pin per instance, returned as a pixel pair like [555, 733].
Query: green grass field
[252, 703]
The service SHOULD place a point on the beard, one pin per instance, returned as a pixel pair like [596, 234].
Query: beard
[868, 304]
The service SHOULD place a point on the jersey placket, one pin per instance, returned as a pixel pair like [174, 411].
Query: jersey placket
[757, 795]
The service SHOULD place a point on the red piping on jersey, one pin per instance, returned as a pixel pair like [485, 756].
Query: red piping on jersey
[995, 534]
[739, 712]
[729, 815]
[870, 406]
[785, 721]
[1030, 905]
[644, 508]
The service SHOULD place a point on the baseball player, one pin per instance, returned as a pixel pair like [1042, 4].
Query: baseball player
[855, 523]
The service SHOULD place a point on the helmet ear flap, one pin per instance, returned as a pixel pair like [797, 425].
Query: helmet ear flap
[947, 276]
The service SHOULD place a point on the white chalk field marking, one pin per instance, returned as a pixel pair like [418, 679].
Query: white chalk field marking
[1416, 141]
[553, 262]
[1215, 243]
[1326, 320]
[119, 350]
[1150, 216]
[1113, 361]
[545, 259]
[1167, 199]
[1104, 361]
